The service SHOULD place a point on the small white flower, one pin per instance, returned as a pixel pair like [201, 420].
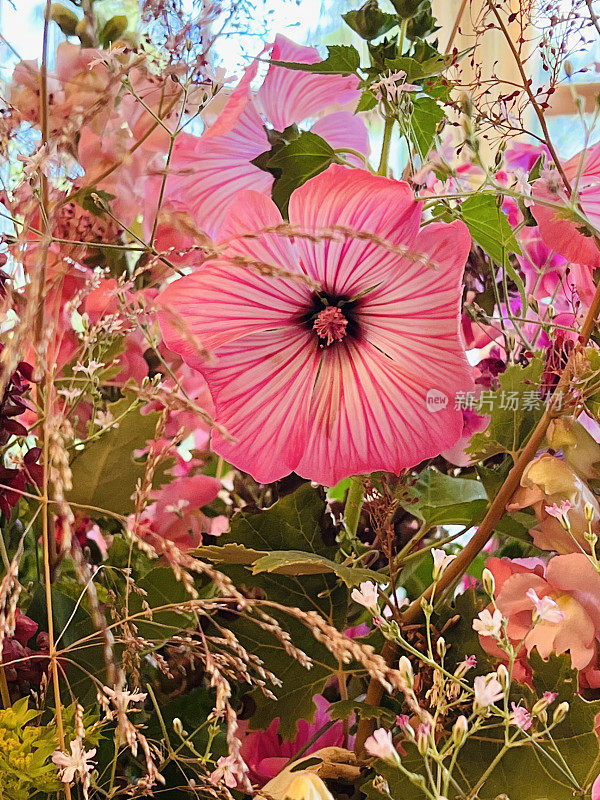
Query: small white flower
[178, 507]
[488, 624]
[381, 745]
[229, 771]
[488, 691]
[366, 596]
[441, 559]
[546, 609]
[105, 419]
[88, 369]
[70, 394]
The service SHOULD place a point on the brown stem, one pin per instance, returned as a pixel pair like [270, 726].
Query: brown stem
[593, 16]
[456, 25]
[485, 530]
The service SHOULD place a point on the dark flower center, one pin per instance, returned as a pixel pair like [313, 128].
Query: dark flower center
[331, 317]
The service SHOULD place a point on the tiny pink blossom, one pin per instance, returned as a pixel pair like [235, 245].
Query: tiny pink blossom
[229, 771]
[550, 697]
[381, 745]
[546, 609]
[520, 717]
[403, 722]
[77, 764]
[596, 789]
[560, 512]
[366, 595]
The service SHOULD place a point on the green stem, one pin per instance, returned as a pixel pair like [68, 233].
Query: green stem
[354, 503]
[403, 28]
[385, 148]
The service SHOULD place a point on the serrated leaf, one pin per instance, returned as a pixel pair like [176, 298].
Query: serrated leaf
[105, 472]
[367, 102]
[344, 708]
[489, 227]
[342, 59]
[424, 120]
[510, 426]
[298, 161]
[442, 499]
[369, 21]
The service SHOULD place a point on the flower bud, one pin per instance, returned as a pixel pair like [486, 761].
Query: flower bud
[177, 726]
[406, 671]
[459, 731]
[568, 68]
[489, 582]
[589, 512]
[441, 647]
[423, 732]
[503, 676]
[560, 713]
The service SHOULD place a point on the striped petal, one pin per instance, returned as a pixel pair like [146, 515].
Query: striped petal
[367, 414]
[261, 386]
[366, 203]
[413, 317]
[290, 96]
[207, 172]
[343, 129]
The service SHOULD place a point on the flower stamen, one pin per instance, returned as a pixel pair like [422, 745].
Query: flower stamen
[330, 325]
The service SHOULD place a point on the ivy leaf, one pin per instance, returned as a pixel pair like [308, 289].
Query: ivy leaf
[342, 59]
[424, 120]
[440, 499]
[515, 412]
[298, 161]
[104, 472]
[490, 228]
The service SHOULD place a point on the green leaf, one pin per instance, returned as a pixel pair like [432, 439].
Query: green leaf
[295, 522]
[367, 102]
[489, 227]
[440, 499]
[300, 160]
[342, 59]
[344, 708]
[105, 472]
[160, 587]
[114, 29]
[294, 562]
[513, 412]
[424, 120]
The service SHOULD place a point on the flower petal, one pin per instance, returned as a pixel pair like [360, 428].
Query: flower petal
[368, 414]
[343, 129]
[290, 96]
[207, 172]
[261, 386]
[365, 203]
[414, 316]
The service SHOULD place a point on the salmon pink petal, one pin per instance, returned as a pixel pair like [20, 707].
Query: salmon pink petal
[575, 574]
[341, 130]
[590, 167]
[290, 96]
[366, 203]
[367, 414]
[261, 387]
[207, 172]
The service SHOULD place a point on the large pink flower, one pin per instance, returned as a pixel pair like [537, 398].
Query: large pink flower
[560, 233]
[342, 379]
[266, 753]
[574, 584]
[207, 172]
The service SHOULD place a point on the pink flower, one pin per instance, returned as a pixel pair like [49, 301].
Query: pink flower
[207, 172]
[573, 584]
[558, 231]
[76, 764]
[441, 560]
[381, 745]
[596, 789]
[292, 401]
[487, 690]
[229, 771]
[520, 717]
[266, 753]
[546, 609]
[366, 596]
[559, 512]
[176, 514]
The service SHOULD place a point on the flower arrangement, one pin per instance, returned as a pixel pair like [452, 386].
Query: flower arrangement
[299, 411]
